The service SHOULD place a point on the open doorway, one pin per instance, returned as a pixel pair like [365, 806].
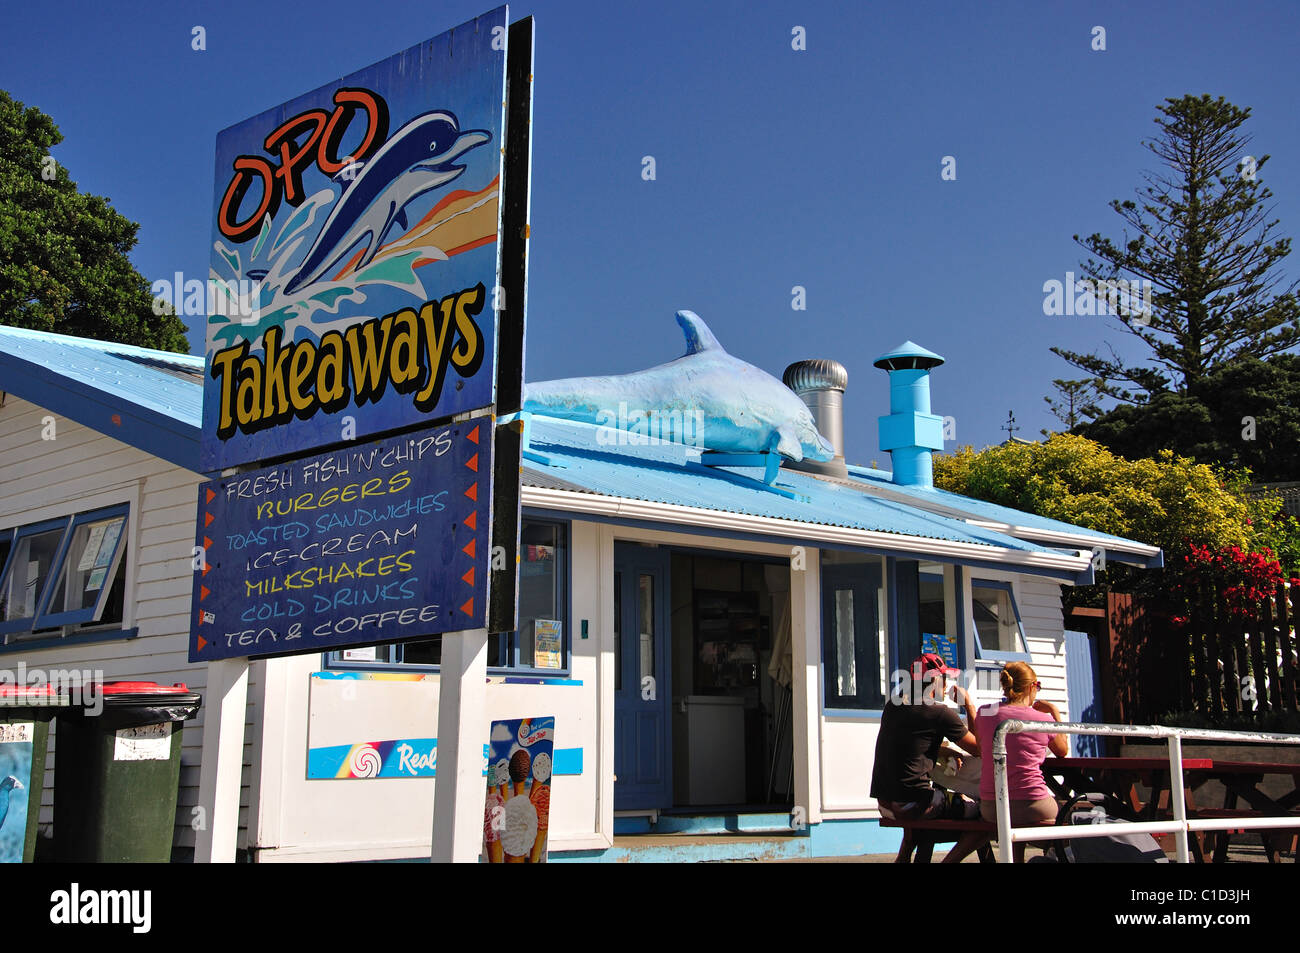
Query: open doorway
[731, 676]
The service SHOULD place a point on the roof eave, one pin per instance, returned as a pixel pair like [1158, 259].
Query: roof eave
[140, 427]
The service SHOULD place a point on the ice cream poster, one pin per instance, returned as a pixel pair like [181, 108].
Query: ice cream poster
[354, 275]
[15, 788]
[516, 815]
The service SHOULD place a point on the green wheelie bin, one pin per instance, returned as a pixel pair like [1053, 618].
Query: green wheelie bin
[117, 773]
[25, 716]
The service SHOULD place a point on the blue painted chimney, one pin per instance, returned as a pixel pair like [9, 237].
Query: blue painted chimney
[910, 433]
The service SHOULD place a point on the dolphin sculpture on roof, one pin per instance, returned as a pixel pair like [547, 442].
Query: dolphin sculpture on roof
[418, 158]
[736, 406]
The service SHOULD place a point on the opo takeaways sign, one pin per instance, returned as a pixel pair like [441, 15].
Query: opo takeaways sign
[361, 220]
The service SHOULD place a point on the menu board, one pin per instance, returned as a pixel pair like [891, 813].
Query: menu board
[517, 810]
[377, 542]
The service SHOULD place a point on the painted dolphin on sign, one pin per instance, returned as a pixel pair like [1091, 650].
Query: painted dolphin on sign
[417, 159]
[735, 406]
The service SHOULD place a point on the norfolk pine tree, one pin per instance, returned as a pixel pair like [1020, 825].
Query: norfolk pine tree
[63, 252]
[1201, 236]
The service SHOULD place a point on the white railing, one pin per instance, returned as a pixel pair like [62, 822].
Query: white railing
[1179, 826]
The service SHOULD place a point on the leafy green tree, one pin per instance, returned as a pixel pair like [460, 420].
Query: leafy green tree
[63, 253]
[1169, 501]
[1201, 235]
[1245, 414]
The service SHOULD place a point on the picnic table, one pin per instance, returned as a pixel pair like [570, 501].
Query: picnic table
[1120, 777]
[1243, 781]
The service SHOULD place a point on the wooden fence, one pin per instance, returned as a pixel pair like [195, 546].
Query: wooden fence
[1206, 659]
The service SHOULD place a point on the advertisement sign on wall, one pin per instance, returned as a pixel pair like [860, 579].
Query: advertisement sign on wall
[355, 273]
[516, 815]
[376, 542]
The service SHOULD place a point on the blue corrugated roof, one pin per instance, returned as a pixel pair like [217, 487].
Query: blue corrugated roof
[149, 399]
[671, 474]
[983, 510]
[154, 400]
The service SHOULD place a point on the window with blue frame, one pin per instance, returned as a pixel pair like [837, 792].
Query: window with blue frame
[63, 576]
[541, 643]
[999, 635]
[854, 635]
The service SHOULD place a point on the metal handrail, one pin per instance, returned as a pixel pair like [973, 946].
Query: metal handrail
[1179, 826]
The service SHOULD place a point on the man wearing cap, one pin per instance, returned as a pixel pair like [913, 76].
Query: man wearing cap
[912, 727]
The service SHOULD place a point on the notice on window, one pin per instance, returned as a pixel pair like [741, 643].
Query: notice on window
[546, 643]
[91, 549]
[944, 646]
[145, 743]
[95, 581]
[109, 543]
[366, 654]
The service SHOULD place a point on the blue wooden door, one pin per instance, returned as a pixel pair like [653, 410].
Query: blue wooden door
[1083, 682]
[642, 689]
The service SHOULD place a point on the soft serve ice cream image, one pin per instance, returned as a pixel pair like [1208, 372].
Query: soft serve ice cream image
[517, 770]
[520, 831]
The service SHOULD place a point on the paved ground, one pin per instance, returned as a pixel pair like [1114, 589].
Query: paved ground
[1239, 852]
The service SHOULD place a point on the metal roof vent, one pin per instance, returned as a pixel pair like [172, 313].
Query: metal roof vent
[820, 384]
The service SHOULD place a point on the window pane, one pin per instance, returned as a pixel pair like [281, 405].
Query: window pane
[618, 631]
[541, 553]
[995, 620]
[932, 612]
[84, 573]
[646, 625]
[844, 643]
[33, 560]
[428, 651]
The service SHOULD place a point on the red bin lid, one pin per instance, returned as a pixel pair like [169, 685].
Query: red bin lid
[144, 688]
[27, 691]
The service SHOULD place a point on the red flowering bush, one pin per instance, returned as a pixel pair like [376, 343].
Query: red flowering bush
[1245, 581]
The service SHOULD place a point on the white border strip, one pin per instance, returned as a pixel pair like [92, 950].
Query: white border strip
[698, 517]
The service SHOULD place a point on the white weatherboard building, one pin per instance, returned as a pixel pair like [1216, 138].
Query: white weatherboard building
[725, 646]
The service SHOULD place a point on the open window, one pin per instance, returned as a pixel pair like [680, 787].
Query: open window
[999, 635]
[63, 575]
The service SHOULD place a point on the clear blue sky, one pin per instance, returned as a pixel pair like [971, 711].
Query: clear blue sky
[775, 168]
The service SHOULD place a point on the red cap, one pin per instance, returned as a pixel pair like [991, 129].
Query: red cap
[932, 662]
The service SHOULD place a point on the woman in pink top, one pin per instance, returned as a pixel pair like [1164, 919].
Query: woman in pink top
[1031, 798]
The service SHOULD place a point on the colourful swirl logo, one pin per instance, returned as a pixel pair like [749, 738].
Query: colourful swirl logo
[365, 762]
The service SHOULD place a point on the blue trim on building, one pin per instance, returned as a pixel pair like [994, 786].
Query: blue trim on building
[107, 635]
[830, 838]
[138, 426]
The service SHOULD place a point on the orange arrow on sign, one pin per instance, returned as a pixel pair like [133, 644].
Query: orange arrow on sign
[472, 492]
[468, 549]
[472, 520]
[473, 434]
[469, 576]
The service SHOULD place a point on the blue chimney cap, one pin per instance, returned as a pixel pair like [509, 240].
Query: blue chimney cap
[908, 356]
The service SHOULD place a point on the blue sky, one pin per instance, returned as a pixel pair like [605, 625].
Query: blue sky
[775, 168]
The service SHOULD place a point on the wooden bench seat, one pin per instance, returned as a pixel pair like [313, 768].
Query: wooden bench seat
[923, 833]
